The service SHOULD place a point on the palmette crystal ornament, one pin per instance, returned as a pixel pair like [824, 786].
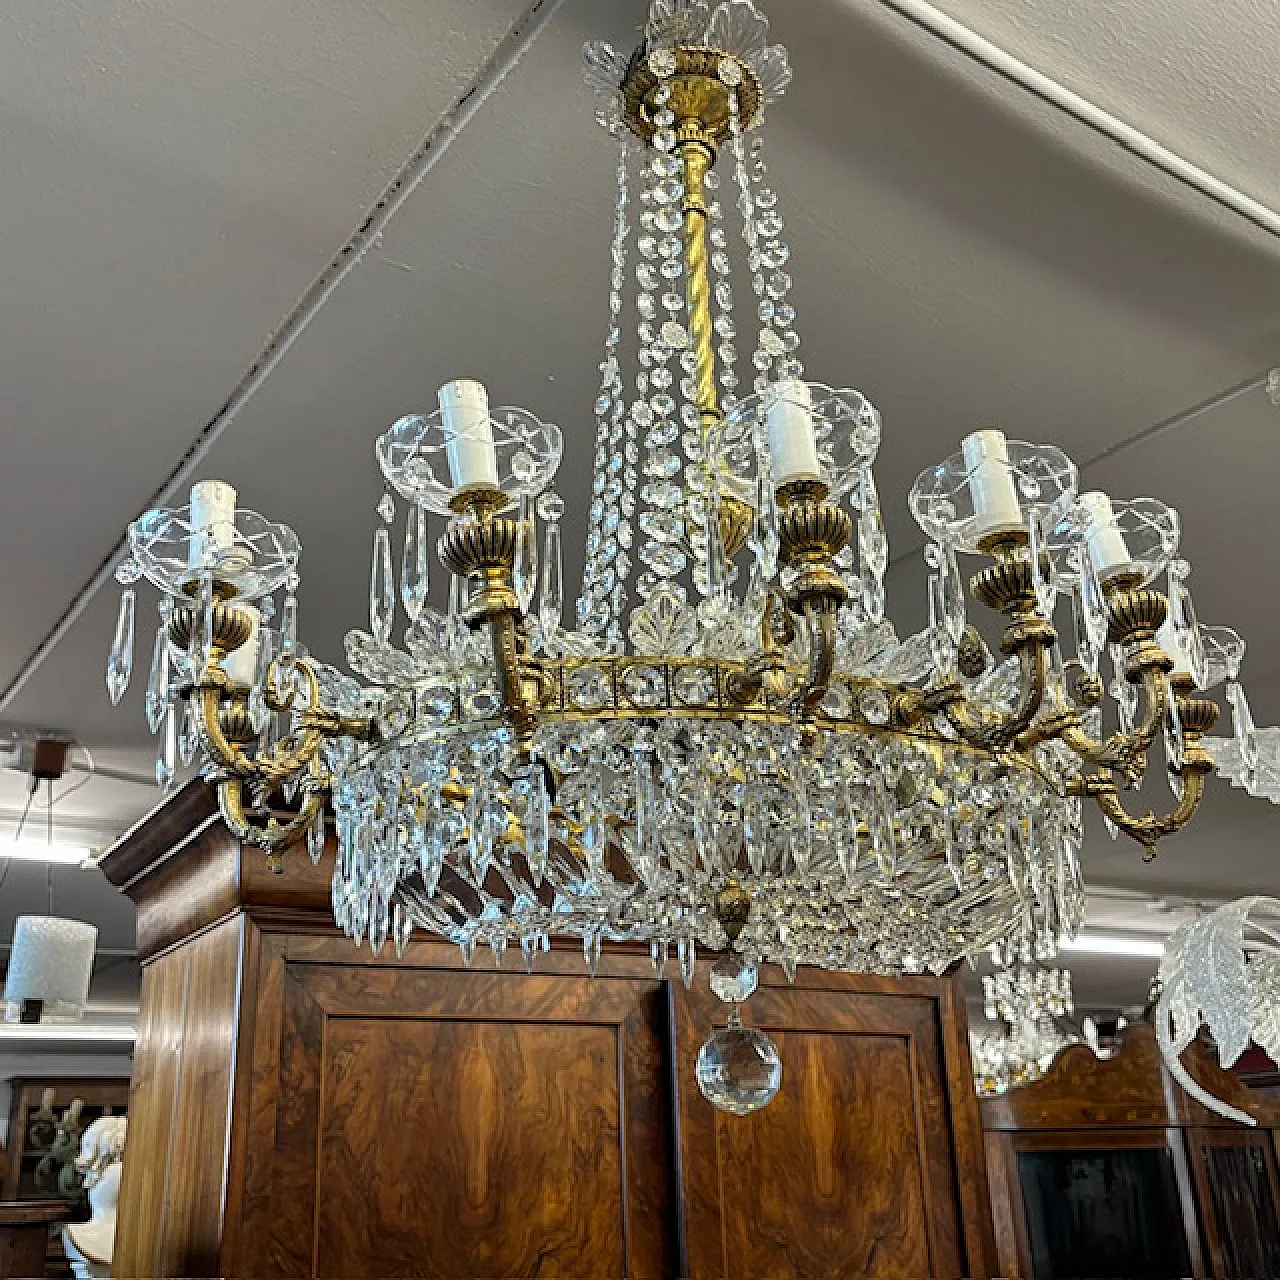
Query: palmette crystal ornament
[1222, 972]
[724, 745]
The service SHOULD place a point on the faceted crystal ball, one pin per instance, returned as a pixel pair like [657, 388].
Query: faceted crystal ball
[739, 1069]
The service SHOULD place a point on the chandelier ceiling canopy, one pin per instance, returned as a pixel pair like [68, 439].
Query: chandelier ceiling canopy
[722, 742]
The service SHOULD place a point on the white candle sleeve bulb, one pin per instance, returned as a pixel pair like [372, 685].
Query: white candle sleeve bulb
[213, 522]
[241, 664]
[995, 498]
[473, 460]
[1104, 541]
[793, 446]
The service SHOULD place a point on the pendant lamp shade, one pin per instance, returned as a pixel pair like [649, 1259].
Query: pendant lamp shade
[49, 969]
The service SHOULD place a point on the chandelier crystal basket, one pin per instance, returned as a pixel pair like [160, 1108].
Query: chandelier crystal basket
[727, 745]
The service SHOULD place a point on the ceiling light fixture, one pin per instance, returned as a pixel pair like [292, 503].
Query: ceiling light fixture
[77, 1033]
[729, 746]
[1114, 944]
[71, 855]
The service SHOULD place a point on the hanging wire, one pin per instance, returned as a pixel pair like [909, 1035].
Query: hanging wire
[82, 782]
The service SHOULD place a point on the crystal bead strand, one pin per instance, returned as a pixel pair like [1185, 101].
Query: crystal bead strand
[662, 518]
[592, 608]
[767, 255]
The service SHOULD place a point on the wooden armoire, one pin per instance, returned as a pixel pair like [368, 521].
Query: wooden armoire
[1107, 1167]
[302, 1108]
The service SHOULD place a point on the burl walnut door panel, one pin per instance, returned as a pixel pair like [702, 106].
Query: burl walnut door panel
[460, 1124]
[850, 1171]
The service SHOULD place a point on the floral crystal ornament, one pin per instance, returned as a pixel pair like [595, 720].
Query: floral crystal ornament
[1222, 972]
[721, 743]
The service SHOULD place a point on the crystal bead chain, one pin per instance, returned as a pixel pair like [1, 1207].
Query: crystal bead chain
[661, 334]
[768, 254]
[594, 609]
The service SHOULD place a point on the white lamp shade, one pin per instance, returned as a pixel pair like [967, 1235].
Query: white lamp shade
[51, 962]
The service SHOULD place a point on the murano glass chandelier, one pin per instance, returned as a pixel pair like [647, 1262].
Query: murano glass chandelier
[724, 744]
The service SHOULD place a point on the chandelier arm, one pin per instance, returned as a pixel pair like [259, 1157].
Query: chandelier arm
[1148, 829]
[820, 614]
[981, 730]
[269, 834]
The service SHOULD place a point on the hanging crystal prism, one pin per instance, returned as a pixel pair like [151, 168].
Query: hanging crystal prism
[189, 738]
[120, 659]
[1174, 739]
[288, 640]
[382, 588]
[315, 835]
[1087, 652]
[157, 699]
[1041, 571]
[941, 647]
[535, 818]
[1243, 725]
[525, 569]
[259, 710]
[551, 588]
[414, 563]
[167, 754]
[1182, 618]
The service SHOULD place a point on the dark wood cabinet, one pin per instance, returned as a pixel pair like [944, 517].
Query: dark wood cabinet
[302, 1108]
[1108, 1168]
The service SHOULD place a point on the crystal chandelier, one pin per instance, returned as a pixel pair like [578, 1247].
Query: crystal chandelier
[726, 745]
[1032, 1001]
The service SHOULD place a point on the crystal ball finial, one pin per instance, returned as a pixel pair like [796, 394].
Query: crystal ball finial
[739, 1069]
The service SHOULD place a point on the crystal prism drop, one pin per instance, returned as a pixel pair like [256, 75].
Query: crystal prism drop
[382, 591]
[1087, 651]
[120, 660]
[167, 755]
[315, 835]
[189, 738]
[401, 929]
[415, 563]
[873, 545]
[524, 574]
[535, 818]
[205, 628]
[1182, 617]
[1093, 601]
[158, 680]
[529, 950]
[1041, 572]
[288, 639]
[1243, 724]
[952, 594]
[551, 590]
[259, 711]
[591, 951]
[687, 954]
[940, 644]
[767, 543]
[1174, 742]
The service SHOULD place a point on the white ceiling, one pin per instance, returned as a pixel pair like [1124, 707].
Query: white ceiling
[180, 176]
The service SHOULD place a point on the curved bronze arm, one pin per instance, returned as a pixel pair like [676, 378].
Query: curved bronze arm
[269, 833]
[1030, 639]
[1125, 752]
[820, 620]
[1148, 829]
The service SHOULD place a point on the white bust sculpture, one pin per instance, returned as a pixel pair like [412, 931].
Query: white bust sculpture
[89, 1244]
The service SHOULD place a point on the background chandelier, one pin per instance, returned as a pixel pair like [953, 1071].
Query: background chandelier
[729, 747]
[1032, 1001]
